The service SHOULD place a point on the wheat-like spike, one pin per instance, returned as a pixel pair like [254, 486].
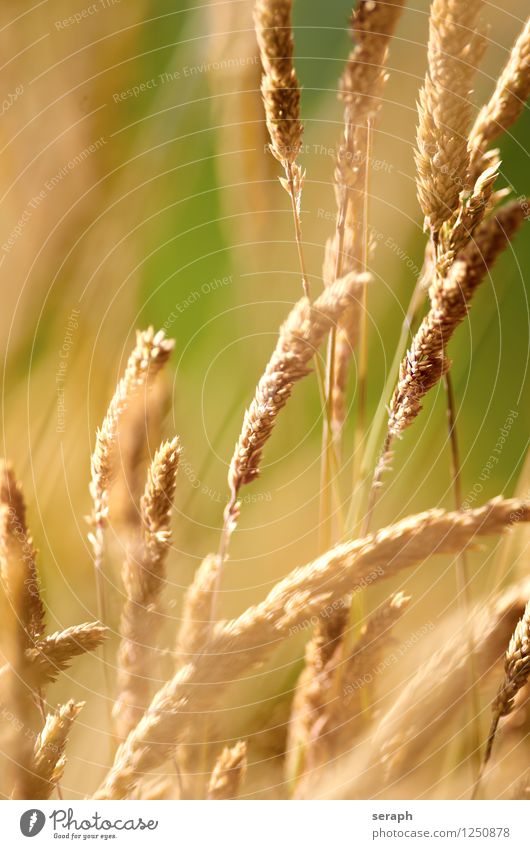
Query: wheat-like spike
[139, 433]
[228, 772]
[49, 760]
[516, 675]
[18, 557]
[237, 645]
[327, 709]
[279, 85]
[507, 101]
[143, 576]
[442, 158]
[53, 654]
[151, 352]
[426, 360]
[299, 340]
[281, 98]
[196, 621]
[372, 26]
[373, 23]
[155, 509]
[516, 667]
[456, 234]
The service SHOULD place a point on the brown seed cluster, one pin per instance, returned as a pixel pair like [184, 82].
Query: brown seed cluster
[279, 84]
[300, 338]
[426, 360]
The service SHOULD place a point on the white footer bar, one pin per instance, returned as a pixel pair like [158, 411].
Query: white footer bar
[266, 825]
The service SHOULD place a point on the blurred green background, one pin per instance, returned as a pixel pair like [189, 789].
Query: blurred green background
[137, 189]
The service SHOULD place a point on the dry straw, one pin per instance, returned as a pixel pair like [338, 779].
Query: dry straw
[143, 576]
[279, 85]
[229, 772]
[372, 25]
[238, 645]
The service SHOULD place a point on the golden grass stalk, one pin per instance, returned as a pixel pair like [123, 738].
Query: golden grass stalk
[139, 434]
[328, 708]
[426, 360]
[54, 654]
[281, 98]
[196, 623]
[49, 759]
[229, 772]
[442, 158]
[143, 576]
[372, 25]
[151, 352]
[237, 645]
[279, 86]
[506, 103]
[360, 87]
[299, 340]
[516, 674]
[33, 659]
